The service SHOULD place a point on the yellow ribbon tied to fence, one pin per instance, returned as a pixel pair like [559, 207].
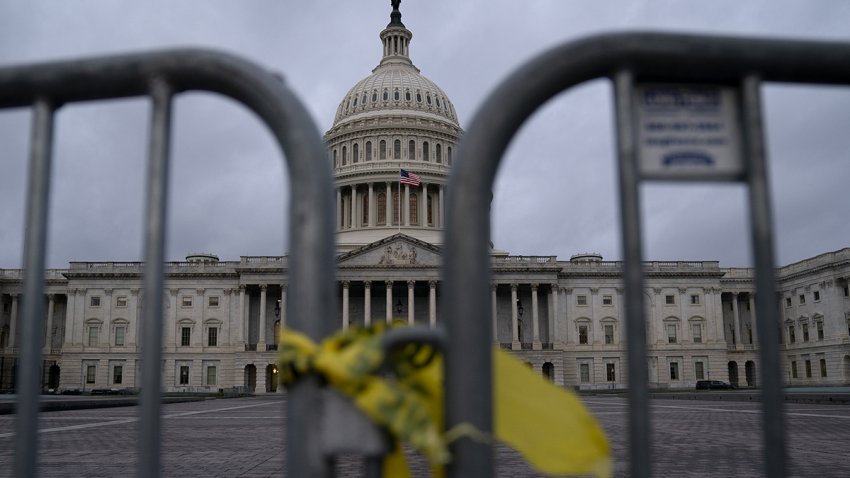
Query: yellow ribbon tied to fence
[402, 394]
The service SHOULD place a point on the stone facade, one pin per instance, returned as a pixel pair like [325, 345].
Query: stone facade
[565, 318]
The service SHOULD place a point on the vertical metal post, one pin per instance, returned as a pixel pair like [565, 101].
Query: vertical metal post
[155, 224]
[773, 419]
[639, 423]
[35, 240]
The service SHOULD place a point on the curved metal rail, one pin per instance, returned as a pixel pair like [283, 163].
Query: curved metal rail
[623, 58]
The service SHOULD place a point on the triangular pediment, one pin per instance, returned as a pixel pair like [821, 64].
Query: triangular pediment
[398, 250]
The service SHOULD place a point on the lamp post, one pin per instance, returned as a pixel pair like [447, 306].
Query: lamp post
[398, 307]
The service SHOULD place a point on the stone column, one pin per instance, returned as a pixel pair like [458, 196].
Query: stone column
[737, 316]
[423, 206]
[338, 209]
[406, 208]
[389, 301]
[535, 326]
[367, 302]
[105, 338]
[686, 332]
[345, 285]
[410, 301]
[14, 322]
[495, 312]
[515, 345]
[388, 204]
[171, 323]
[440, 208]
[372, 207]
[554, 337]
[48, 338]
[226, 333]
[283, 303]
[354, 218]
[752, 302]
[261, 340]
[432, 303]
[69, 317]
[657, 319]
[243, 320]
[568, 302]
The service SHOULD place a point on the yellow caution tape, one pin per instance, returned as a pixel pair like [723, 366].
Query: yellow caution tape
[545, 423]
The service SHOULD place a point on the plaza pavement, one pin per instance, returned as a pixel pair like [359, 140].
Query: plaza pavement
[243, 437]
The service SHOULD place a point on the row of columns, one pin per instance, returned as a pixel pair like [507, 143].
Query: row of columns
[536, 344]
[736, 317]
[243, 316]
[13, 323]
[367, 302]
[347, 216]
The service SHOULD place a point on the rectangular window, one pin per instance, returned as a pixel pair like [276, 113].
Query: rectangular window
[582, 334]
[808, 369]
[585, 373]
[607, 300]
[121, 301]
[185, 336]
[186, 301]
[802, 299]
[213, 301]
[184, 375]
[119, 336]
[696, 331]
[94, 301]
[91, 370]
[816, 295]
[794, 369]
[211, 375]
[819, 326]
[609, 334]
[610, 372]
[581, 300]
[699, 371]
[674, 370]
[671, 333]
[846, 291]
[823, 367]
[212, 337]
[92, 342]
[694, 299]
[670, 299]
[117, 374]
[805, 332]
[792, 337]
[787, 302]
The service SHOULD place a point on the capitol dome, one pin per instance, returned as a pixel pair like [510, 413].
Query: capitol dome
[392, 124]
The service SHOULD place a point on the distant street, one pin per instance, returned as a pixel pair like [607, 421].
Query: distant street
[244, 438]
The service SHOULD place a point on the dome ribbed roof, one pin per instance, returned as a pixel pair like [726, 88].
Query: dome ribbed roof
[395, 84]
[395, 87]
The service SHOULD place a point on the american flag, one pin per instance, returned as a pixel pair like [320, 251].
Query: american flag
[409, 178]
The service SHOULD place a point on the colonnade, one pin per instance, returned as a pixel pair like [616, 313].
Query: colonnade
[388, 307]
[357, 205]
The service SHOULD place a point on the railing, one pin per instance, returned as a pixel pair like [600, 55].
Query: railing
[250, 347]
[627, 60]
[161, 76]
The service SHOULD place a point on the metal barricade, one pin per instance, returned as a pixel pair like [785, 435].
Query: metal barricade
[45, 87]
[625, 59]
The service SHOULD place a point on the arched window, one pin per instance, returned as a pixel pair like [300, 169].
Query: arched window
[355, 153]
[364, 99]
[427, 99]
[425, 152]
[396, 95]
[382, 209]
[396, 210]
[374, 96]
[449, 155]
[355, 102]
[418, 96]
[438, 150]
[365, 209]
[397, 149]
[406, 95]
[413, 214]
[382, 149]
[386, 94]
[369, 151]
[549, 371]
[411, 150]
[344, 155]
[336, 165]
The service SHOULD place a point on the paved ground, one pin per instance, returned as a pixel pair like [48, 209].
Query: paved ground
[244, 438]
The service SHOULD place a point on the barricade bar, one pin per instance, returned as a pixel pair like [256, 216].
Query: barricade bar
[311, 240]
[635, 57]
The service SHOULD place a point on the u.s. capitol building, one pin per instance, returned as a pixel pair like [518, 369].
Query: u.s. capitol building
[563, 317]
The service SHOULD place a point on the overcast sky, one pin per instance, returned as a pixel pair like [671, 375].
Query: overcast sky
[555, 193]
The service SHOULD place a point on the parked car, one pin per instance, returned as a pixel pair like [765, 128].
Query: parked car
[714, 385]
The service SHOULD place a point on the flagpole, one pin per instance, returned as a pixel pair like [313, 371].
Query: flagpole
[399, 200]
